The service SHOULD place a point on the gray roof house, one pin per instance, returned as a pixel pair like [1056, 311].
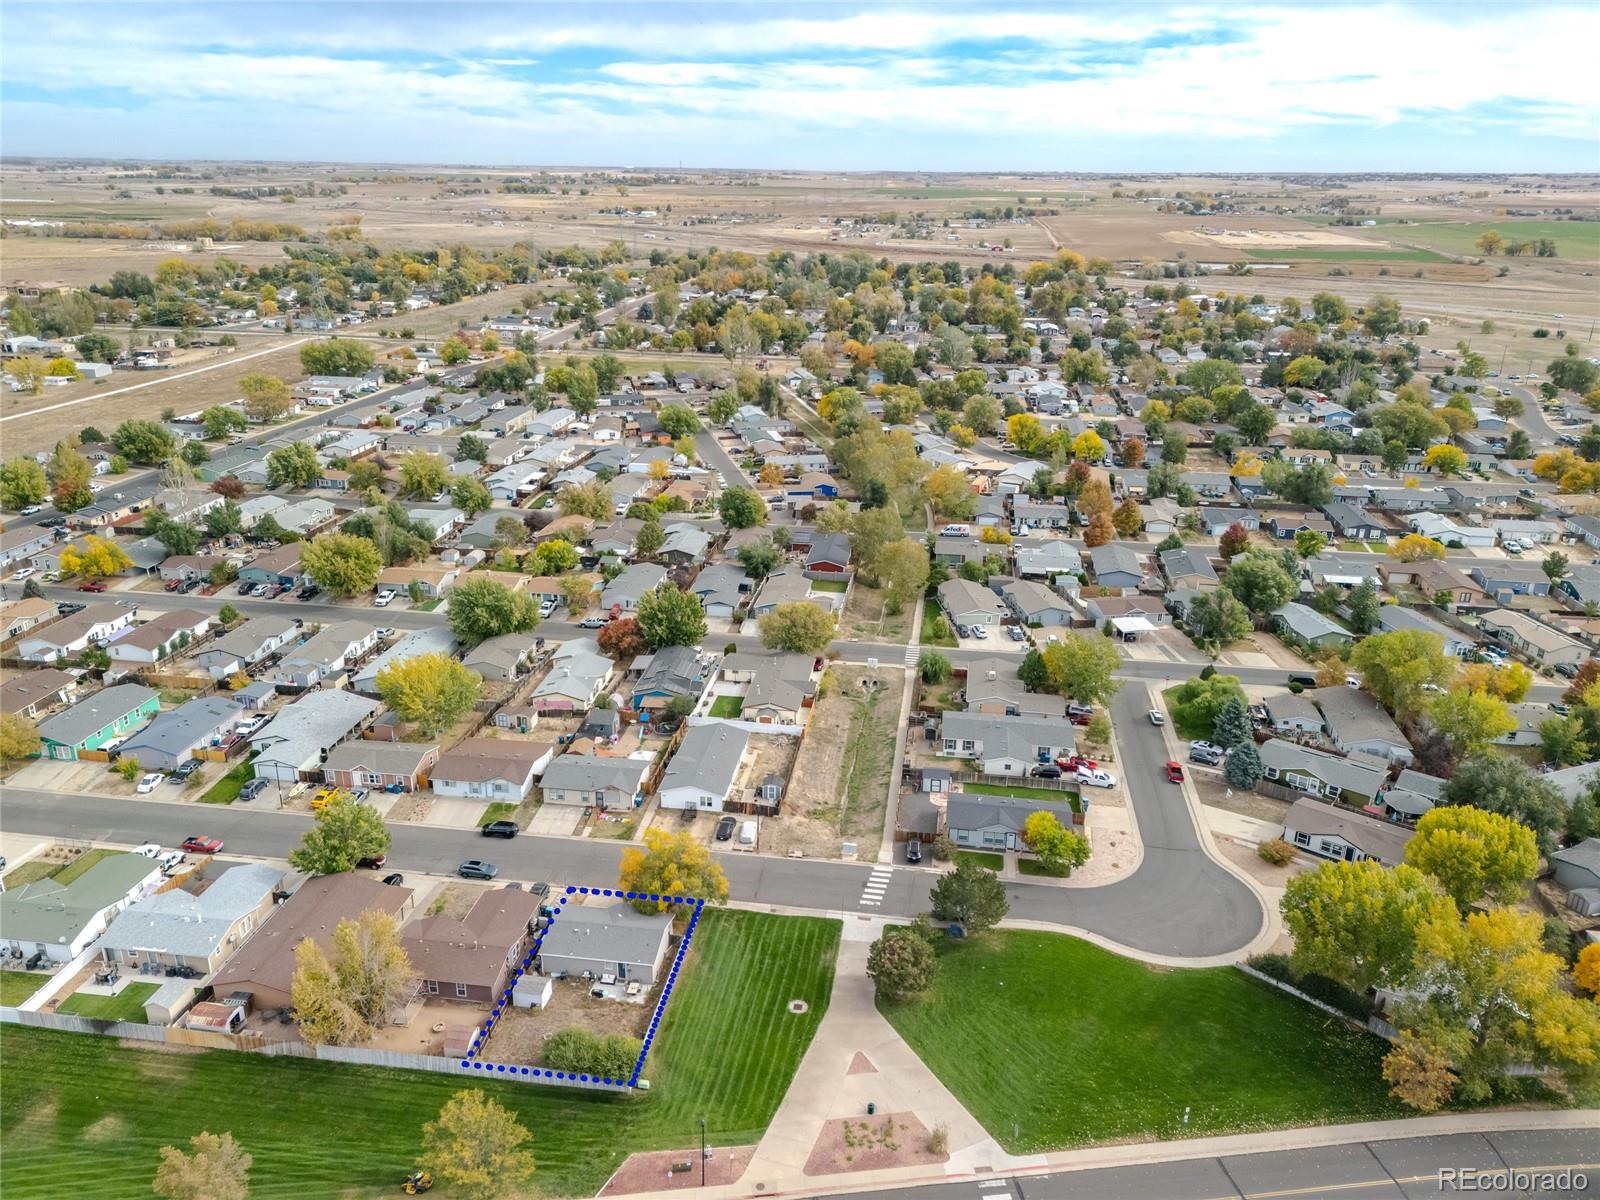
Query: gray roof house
[1187, 565]
[430, 640]
[62, 919]
[1392, 617]
[583, 779]
[326, 655]
[501, 658]
[622, 593]
[1003, 745]
[1411, 795]
[172, 737]
[1116, 565]
[1309, 625]
[1343, 834]
[722, 588]
[778, 686]
[181, 929]
[1356, 779]
[300, 737]
[247, 645]
[669, 673]
[97, 720]
[606, 941]
[1355, 721]
[1047, 559]
[1036, 604]
[968, 603]
[705, 768]
[576, 676]
[996, 822]
[1290, 713]
[1578, 866]
[992, 686]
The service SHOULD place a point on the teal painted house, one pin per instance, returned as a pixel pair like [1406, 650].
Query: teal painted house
[105, 717]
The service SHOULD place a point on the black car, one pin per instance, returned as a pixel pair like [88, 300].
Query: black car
[54, 523]
[246, 586]
[185, 769]
[394, 880]
[500, 829]
[725, 828]
[307, 592]
[1566, 670]
[1048, 771]
[913, 851]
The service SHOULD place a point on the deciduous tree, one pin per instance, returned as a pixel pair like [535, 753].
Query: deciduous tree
[1060, 850]
[22, 483]
[1357, 922]
[477, 1148]
[217, 1168]
[740, 508]
[486, 608]
[970, 895]
[423, 474]
[1082, 666]
[900, 964]
[342, 563]
[295, 465]
[345, 833]
[18, 738]
[799, 627]
[434, 690]
[1500, 784]
[671, 865]
[94, 558]
[670, 617]
[1473, 853]
[1415, 547]
[1399, 666]
[265, 397]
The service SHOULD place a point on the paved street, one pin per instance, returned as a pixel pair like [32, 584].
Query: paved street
[1404, 1169]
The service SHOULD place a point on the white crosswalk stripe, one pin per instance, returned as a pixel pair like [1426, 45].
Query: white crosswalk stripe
[911, 656]
[872, 891]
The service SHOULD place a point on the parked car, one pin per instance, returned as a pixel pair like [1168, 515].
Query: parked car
[594, 623]
[91, 585]
[372, 862]
[30, 510]
[386, 633]
[252, 789]
[1303, 679]
[914, 851]
[477, 868]
[201, 844]
[981, 632]
[1073, 761]
[500, 829]
[150, 782]
[1566, 670]
[1094, 777]
[24, 573]
[307, 592]
[964, 630]
[383, 600]
[185, 769]
[1156, 718]
[1352, 681]
[1014, 632]
[1205, 752]
[394, 880]
[1046, 771]
[1174, 772]
[725, 828]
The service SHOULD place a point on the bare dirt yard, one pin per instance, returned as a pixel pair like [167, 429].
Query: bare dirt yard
[839, 789]
[871, 1144]
[652, 1172]
[866, 619]
[520, 1033]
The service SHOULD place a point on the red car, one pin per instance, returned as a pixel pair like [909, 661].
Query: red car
[1174, 772]
[92, 585]
[1075, 761]
[199, 844]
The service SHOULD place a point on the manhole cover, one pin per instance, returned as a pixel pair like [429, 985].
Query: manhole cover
[798, 1006]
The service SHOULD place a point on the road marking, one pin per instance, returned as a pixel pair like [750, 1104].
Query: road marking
[134, 387]
[877, 882]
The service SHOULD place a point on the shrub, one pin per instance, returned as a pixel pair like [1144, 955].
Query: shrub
[943, 848]
[939, 1140]
[1275, 851]
[1297, 688]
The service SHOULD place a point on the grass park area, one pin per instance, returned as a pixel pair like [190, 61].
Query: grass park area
[1131, 1047]
[727, 706]
[78, 1109]
[930, 613]
[17, 986]
[126, 1005]
[226, 789]
[981, 858]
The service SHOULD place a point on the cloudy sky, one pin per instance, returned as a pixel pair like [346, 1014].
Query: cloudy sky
[1458, 86]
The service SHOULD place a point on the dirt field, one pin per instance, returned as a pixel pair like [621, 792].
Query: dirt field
[519, 1035]
[839, 789]
[866, 620]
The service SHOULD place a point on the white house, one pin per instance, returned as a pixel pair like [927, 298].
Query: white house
[703, 772]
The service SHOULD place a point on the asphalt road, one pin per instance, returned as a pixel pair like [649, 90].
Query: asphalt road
[1404, 1169]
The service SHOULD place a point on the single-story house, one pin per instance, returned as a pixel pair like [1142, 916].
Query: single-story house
[19, 616]
[502, 658]
[996, 822]
[704, 768]
[1036, 604]
[1437, 579]
[723, 588]
[1533, 639]
[1578, 866]
[1116, 565]
[1392, 617]
[588, 779]
[299, 739]
[614, 940]
[252, 642]
[430, 581]
[668, 674]
[829, 554]
[1343, 834]
[1410, 795]
[26, 694]
[380, 765]
[968, 603]
[95, 721]
[1003, 745]
[622, 594]
[1355, 721]
[264, 966]
[472, 957]
[158, 638]
[1046, 560]
[1503, 580]
[1289, 713]
[578, 674]
[178, 928]
[1308, 625]
[70, 635]
[172, 738]
[779, 686]
[60, 920]
[490, 769]
[280, 566]
[430, 639]
[325, 656]
[1356, 779]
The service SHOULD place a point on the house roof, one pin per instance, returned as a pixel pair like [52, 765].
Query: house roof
[1351, 774]
[1307, 622]
[472, 949]
[1354, 716]
[1383, 840]
[1284, 707]
[183, 728]
[247, 638]
[962, 596]
[1031, 597]
[89, 716]
[1524, 627]
[1397, 616]
[312, 722]
[965, 811]
[266, 960]
[1008, 737]
[480, 760]
[1585, 854]
[592, 773]
[673, 669]
[179, 922]
[635, 580]
[779, 680]
[1115, 557]
[708, 757]
[384, 758]
[21, 689]
[616, 933]
[1185, 562]
[829, 548]
[48, 911]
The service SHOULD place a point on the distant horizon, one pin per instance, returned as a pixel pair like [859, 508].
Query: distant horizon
[942, 86]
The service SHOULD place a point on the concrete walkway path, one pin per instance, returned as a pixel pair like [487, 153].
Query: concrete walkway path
[826, 1089]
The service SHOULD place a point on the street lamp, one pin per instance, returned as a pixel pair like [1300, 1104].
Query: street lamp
[702, 1152]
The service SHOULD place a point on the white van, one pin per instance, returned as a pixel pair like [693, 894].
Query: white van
[955, 531]
[747, 834]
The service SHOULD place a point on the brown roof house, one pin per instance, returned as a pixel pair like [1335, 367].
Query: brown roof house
[471, 957]
[1437, 579]
[490, 769]
[264, 966]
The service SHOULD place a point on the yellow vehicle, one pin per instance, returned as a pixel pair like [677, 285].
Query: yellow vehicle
[326, 797]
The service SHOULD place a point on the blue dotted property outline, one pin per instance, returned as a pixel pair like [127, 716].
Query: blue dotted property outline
[480, 1039]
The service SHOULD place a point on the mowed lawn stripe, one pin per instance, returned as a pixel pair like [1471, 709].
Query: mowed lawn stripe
[1052, 1042]
[88, 1114]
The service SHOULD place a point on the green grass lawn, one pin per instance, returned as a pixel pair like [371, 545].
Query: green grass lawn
[1032, 866]
[39, 868]
[126, 1005]
[981, 858]
[17, 986]
[226, 789]
[498, 811]
[1129, 1047]
[727, 706]
[829, 585]
[1573, 239]
[1031, 793]
[930, 610]
[83, 1109]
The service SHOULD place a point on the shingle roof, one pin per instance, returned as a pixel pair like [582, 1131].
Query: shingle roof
[965, 811]
[472, 949]
[178, 922]
[87, 717]
[1383, 840]
[1354, 716]
[616, 933]
[47, 911]
[708, 757]
[591, 773]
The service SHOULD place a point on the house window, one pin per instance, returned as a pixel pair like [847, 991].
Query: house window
[433, 987]
[461, 991]
[1330, 848]
[968, 746]
[1302, 839]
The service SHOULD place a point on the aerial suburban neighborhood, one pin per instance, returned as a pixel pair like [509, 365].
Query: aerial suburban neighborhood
[814, 678]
